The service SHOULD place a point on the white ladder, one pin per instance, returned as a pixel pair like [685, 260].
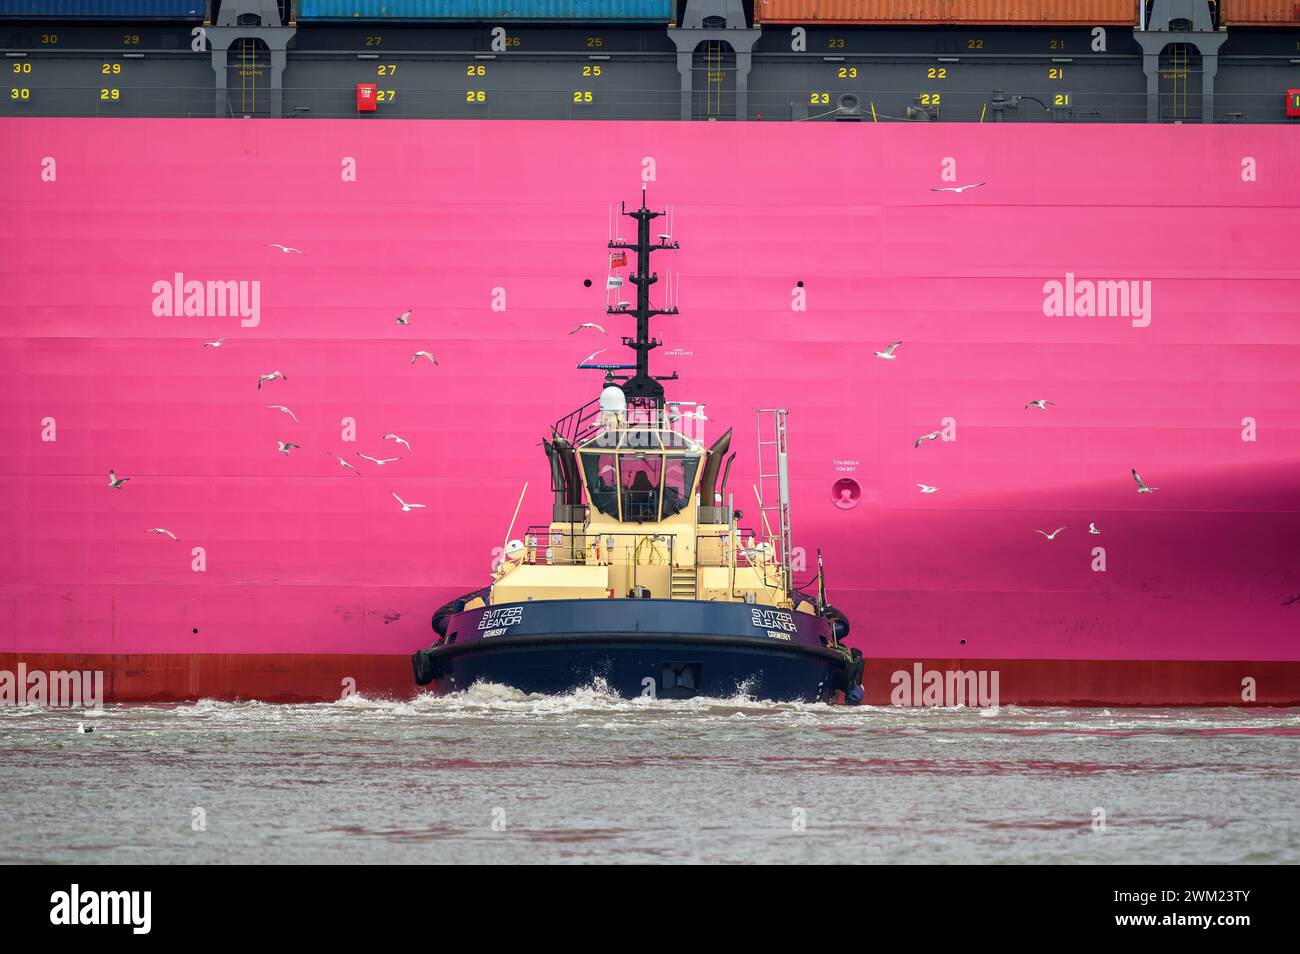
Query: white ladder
[774, 488]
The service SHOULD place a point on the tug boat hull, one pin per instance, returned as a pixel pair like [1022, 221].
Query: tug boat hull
[666, 648]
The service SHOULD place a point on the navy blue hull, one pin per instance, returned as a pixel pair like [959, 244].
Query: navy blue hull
[665, 649]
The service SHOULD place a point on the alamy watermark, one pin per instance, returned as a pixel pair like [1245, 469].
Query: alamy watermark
[62, 689]
[1104, 298]
[953, 687]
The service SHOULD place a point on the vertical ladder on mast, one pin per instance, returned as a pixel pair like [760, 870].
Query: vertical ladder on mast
[774, 489]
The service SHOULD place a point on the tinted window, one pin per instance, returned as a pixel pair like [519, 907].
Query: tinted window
[640, 480]
[602, 482]
[679, 478]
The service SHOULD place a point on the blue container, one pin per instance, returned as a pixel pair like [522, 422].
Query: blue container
[612, 11]
[103, 9]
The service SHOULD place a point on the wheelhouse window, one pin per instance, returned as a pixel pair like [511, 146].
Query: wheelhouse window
[602, 482]
[640, 475]
[679, 481]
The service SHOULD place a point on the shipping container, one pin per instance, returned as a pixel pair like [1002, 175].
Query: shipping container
[578, 11]
[103, 9]
[972, 12]
[1259, 13]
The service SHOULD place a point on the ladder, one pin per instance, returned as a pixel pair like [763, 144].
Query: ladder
[683, 583]
[774, 488]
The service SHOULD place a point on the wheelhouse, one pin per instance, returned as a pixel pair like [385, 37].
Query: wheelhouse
[640, 474]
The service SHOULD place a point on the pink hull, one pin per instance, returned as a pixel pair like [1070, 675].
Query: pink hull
[301, 558]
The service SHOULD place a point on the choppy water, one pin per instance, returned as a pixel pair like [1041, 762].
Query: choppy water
[490, 775]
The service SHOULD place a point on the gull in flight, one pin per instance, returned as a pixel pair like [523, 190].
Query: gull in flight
[423, 354]
[116, 482]
[407, 507]
[697, 414]
[215, 344]
[888, 353]
[588, 324]
[263, 378]
[400, 440]
[932, 436]
[927, 489]
[281, 407]
[377, 460]
[592, 355]
[962, 188]
[343, 463]
[285, 248]
[1041, 405]
[284, 447]
[1052, 535]
[1092, 528]
[1142, 487]
[405, 317]
[161, 530]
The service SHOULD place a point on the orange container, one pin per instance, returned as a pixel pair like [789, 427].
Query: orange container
[973, 12]
[1259, 12]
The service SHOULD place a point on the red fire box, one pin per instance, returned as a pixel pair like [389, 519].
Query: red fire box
[366, 97]
[1293, 102]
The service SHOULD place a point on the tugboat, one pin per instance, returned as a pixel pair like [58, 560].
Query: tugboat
[644, 582]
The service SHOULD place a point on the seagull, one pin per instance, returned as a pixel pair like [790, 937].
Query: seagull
[927, 489]
[423, 354]
[405, 317]
[381, 463]
[400, 440]
[285, 248]
[161, 530]
[1052, 535]
[1041, 405]
[973, 185]
[888, 353]
[284, 447]
[590, 356]
[1142, 488]
[343, 463]
[698, 414]
[1092, 528]
[115, 482]
[281, 407]
[83, 729]
[589, 324]
[261, 379]
[407, 507]
[932, 436]
[215, 344]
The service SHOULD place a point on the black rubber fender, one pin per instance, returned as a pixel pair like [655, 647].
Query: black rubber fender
[423, 667]
[838, 621]
[442, 618]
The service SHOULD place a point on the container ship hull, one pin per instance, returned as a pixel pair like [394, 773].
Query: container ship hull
[292, 578]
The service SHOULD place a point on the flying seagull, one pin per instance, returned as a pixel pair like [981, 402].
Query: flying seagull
[927, 489]
[1052, 535]
[963, 188]
[932, 436]
[404, 318]
[263, 378]
[281, 407]
[590, 356]
[888, 353]
[697, 414]
[377, 460]
[161, 530]
[343, 463]
[407, 507]
[400, 440]
[116, 482]
[1142, 487]
[284, 447]
[285, 248]
[1041, 405]
[423, 354]
[588, 324]
[1092, 528]
[215, 344]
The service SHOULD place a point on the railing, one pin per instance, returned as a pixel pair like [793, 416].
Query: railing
[645, 104]
[546, 547]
